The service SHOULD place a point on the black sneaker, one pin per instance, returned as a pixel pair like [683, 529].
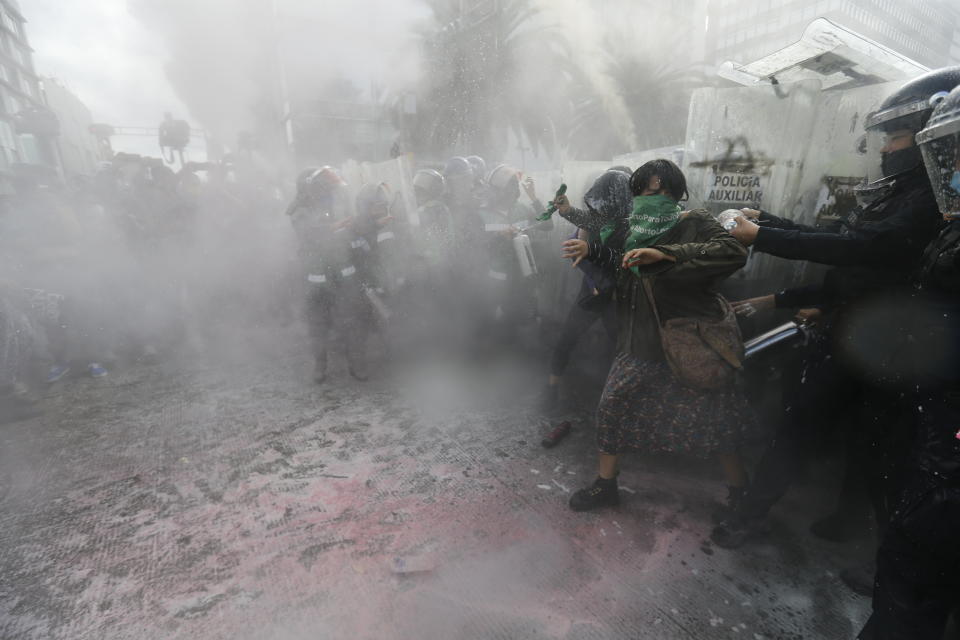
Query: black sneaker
[602, 493]
[735, 531]
[725, 511]
[559, 432]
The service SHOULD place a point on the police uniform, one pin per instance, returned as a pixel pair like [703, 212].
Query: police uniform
[918, 563]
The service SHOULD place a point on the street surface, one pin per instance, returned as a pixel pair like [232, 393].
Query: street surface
[238, 500]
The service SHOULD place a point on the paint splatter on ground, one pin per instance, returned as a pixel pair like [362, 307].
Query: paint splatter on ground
[242, 502]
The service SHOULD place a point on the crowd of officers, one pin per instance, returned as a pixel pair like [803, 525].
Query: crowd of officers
[463, 262]
[136, 262]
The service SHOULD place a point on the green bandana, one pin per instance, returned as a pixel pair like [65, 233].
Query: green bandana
[652, 216]
[546, 215]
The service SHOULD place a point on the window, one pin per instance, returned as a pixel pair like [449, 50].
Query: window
[8, 143]
[31, 148]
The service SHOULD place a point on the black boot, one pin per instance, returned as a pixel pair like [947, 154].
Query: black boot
[602, 493]
[734, 531]
[734, 497]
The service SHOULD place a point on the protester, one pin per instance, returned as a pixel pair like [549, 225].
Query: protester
[611, 191]
[670, 265]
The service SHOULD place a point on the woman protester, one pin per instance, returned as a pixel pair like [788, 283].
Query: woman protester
[669, 268]
[610, 193]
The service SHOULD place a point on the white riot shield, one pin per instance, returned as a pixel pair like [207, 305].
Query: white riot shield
[791, 150]
[746, 147]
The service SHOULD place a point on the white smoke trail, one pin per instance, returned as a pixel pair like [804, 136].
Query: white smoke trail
[587, 34]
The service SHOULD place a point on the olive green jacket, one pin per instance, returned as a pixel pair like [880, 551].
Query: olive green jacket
[706, 254]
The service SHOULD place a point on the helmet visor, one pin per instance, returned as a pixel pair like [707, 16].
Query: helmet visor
[882, 144]
[941, 156]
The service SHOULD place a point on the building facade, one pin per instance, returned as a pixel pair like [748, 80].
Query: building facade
[928, 31]
[26, 129]
[78, 149]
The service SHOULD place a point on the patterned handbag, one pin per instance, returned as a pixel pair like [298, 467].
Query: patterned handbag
[703, 353]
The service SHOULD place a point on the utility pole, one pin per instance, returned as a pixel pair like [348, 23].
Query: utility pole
[286, 117]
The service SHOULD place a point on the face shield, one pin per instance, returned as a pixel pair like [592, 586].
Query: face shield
[511, 191]
[890, 152]
[940, 147]
[890, 148]
[504, 183]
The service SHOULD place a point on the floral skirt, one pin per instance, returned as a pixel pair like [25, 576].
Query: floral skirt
[644, 408]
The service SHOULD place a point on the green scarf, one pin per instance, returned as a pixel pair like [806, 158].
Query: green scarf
[652, 216]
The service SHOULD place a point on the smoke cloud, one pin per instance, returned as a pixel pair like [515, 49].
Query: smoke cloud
[227, 59]
[589, 39]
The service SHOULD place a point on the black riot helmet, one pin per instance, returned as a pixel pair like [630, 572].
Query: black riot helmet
[458, 176]
[503, 184]
[457, 166]
[317, 186]
[318, 182]
[891, 128]
[939, 143]
[479, 167]
[427, 185]
[373, 199]
[302, 180]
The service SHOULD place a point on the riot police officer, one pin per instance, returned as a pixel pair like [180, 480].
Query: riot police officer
[382, 255]
[918, 564]
[873, 255]
[479, 167]
[510, 266]
[375, 238]
[458, 179]
[330, 278]
[436, 238]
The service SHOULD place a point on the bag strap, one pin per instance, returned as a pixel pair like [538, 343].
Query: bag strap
[648, 289]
